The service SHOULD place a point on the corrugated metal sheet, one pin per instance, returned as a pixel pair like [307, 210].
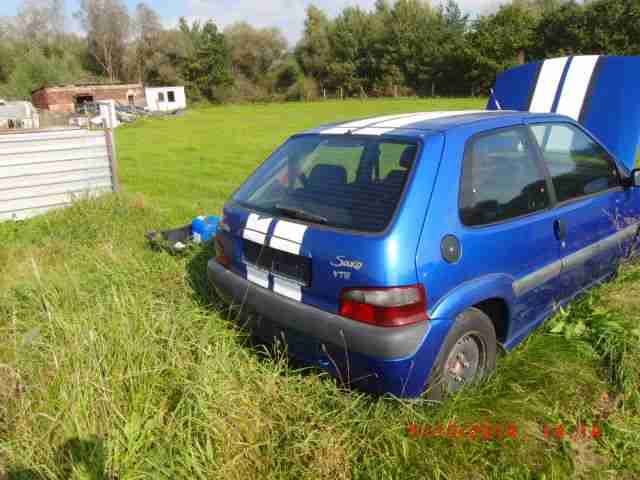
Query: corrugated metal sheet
[49, 169]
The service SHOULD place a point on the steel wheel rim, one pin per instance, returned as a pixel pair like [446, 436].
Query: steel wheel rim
[466, 363]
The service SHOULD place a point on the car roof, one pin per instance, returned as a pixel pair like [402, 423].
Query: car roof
[416, 124]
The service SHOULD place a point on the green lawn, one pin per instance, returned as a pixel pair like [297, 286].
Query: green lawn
[116, 363]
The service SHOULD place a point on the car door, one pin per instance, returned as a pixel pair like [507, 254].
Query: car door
[586, 185]
[506, 209]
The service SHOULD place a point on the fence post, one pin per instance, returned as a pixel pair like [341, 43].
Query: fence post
[341, 94]
[324, 93]
[113, 158]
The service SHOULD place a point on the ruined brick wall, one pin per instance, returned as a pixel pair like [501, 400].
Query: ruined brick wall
[63, 99]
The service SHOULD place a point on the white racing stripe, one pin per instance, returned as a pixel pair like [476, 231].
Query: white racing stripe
[547, 85]
[576, 85]
[254, 236]
[257, 276]
[422, 117]
[374, 131]
[347, 127]
[382, 125]
[290, 231]
[259, 224]
[288, 237]
[287, 288]
[285, 245]
[390, 125]
[256, 229]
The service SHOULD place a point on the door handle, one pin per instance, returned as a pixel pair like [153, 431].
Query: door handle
[560, 230]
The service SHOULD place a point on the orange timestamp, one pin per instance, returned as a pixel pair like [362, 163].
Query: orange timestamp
[500, 432]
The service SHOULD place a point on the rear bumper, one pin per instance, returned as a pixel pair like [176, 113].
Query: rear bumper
[379, 360]
[369, 340]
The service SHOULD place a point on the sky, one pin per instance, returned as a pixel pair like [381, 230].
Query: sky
[288, 15]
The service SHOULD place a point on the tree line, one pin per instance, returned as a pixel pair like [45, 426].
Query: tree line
[402, 47]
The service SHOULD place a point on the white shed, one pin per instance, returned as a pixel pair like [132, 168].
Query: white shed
[165, 99]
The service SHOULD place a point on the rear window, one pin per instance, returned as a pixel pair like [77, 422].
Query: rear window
[342, 181]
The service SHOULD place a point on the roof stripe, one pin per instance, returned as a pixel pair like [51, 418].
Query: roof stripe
[422, 117]
[382, 125]
[346, 127]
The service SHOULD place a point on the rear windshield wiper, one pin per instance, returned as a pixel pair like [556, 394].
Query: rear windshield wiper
[301, 214]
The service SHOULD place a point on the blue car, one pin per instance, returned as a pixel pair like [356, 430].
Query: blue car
[401, 253]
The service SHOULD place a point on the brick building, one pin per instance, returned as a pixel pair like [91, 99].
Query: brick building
[68, 98]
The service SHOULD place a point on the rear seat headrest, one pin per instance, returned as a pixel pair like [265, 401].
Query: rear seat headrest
[408, 156]
[322, 174]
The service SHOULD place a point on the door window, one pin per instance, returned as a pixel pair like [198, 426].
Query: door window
[578, 165]
[501, 179]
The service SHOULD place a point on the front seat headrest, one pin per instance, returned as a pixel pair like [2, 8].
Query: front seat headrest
[408, 156]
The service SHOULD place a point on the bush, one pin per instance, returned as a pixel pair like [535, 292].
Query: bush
[305, 88]
[35, 70]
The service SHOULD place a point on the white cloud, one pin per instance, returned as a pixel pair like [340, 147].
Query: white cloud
[289, 15]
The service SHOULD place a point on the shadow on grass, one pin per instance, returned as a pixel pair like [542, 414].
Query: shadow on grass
[76, 455]
[204, 295]
[268, 350]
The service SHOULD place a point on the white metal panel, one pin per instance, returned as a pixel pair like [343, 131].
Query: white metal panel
[53, 167]
[54, 155]
[57, 177]
[12, 149]
[36, 191]
[50, 169]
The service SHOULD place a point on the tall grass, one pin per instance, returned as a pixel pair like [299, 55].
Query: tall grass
[116, 362]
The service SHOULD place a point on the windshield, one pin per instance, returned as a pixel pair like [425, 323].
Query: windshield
[341, 181]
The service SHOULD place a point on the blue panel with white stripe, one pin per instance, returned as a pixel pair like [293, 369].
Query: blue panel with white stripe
[600, 92]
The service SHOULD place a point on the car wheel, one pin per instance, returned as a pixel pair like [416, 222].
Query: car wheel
[468, 355]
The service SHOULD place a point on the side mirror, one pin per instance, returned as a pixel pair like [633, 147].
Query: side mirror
[635, 178]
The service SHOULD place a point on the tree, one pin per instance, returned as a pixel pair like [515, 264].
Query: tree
[147, 29]
[416, 33]
[107, 25]
[41, 23]
[207, 65]
[313, 51]
[35, 69]
[496, 42]
[254, 52]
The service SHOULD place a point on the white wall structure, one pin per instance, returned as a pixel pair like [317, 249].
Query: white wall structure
[165, 99]
[50, 169]
[18, 115]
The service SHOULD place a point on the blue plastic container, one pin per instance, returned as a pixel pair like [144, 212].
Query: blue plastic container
[204, 228]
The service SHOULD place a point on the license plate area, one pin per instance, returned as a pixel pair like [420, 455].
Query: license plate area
[279, 263]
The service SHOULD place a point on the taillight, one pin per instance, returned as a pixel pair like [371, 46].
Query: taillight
[221, 257]
[385, 307]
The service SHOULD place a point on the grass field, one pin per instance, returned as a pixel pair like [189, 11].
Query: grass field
[116, 364]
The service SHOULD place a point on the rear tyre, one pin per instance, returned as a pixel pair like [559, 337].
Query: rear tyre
[467, 356]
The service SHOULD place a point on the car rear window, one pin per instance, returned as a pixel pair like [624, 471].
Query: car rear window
[342, 181]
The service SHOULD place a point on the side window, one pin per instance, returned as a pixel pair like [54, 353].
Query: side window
[171, 96]
[578, 165]
[501, 179]
[161, 96]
